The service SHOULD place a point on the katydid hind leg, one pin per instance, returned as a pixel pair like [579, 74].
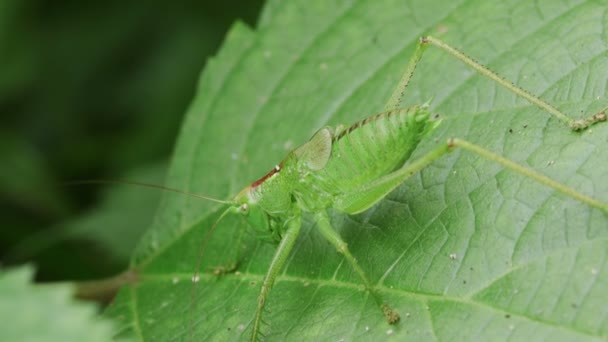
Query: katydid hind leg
[334, 238]
[375, 191]
[573, 124]
[370, 194]
[397, 95]
[394, 101]
[527, 172]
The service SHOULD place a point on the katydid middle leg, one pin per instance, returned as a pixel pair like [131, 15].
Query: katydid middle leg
[322, 220]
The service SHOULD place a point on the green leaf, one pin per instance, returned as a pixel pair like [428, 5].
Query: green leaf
[46, 312]
[466, 250]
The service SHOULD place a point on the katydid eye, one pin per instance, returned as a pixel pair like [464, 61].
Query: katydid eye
[244, 208]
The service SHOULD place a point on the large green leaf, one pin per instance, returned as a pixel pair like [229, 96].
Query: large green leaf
[465, 250]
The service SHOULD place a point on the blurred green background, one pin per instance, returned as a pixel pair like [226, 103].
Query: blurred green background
[92, 90]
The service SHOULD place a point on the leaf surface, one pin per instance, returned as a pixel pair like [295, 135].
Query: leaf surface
[465, 250]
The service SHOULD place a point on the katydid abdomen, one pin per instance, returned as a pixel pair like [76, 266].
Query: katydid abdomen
[368, 150]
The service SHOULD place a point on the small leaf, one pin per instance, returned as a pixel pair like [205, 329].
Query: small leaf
[46, 312]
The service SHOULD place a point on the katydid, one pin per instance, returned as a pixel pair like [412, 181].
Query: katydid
[351, 168]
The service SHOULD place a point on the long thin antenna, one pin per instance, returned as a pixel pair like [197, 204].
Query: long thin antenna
[145, 185]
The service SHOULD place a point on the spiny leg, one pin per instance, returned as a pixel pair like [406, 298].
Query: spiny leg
[528, 172]
[278, 261]
[334, 238]
[376, 190]
[394, 102]
[397, 96]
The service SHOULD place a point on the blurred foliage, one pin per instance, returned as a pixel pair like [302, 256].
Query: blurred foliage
[90, 90]
[46, 313]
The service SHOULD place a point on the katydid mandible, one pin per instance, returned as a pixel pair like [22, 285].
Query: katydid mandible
[351, 168]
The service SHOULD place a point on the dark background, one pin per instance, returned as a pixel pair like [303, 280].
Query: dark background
[92, 90]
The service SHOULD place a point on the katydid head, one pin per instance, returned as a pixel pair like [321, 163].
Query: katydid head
[248, 206]
[268, 200]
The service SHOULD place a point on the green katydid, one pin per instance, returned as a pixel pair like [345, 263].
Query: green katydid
[351, 168]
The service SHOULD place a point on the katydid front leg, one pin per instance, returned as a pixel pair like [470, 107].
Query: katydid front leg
[293, 224]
